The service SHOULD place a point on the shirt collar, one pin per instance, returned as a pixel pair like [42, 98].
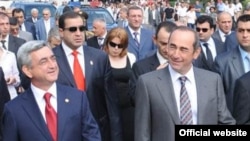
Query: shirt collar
[175, 75]
[39, 93]
[68, 51]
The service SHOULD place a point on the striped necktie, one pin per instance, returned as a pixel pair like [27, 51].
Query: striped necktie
[185, 104]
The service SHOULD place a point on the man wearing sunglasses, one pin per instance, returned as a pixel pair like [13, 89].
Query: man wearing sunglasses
[95, 70]
[43, 25]
[210, 46]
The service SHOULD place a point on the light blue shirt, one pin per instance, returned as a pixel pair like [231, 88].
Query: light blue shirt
[246, 62]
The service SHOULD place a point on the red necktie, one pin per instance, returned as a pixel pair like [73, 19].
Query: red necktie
[51, 117]
[78, 73]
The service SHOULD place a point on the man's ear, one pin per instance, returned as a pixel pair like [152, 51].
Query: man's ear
[26, 71]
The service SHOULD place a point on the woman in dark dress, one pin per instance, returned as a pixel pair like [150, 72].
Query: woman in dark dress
[121, 61]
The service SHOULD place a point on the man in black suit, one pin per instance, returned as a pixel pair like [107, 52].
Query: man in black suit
[34, 16]
[96, 69]
[100, 32]
[241, 100]
[10, 42]
[4, 96]
[210, 47]
[159, 58]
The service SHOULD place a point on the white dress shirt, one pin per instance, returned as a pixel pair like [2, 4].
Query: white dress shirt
[191, 90]
[68, 52]
[9, 66]
[211, 46]
[39, 94]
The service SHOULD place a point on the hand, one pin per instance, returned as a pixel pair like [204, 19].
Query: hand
[162, 66]
[11, 80]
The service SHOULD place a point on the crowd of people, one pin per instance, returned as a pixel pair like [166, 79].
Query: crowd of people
[161, 66]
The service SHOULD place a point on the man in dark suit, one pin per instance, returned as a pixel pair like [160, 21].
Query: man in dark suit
[159, 58]
[234, 63]
[241, 100]
[29, 116]
[34, 16]
[96, 69]
[24, 26]
[4, 96]
[159, 105]
[224, 24]
[11, 43]
[210, 47]
[140, 39]
[100, 32]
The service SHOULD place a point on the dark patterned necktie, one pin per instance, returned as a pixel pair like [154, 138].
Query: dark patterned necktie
[209, 55]
[136, 39]
[3, 44]
[185, 104]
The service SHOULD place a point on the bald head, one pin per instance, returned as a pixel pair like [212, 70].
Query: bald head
[225, 22]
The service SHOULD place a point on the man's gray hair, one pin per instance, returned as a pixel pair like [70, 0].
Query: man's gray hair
[24, 51]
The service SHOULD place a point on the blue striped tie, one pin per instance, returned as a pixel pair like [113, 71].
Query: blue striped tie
[185, 105]
[136, 39]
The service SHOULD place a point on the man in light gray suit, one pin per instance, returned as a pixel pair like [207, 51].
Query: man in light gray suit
[123, 15]
[158, 106]
[43, 25]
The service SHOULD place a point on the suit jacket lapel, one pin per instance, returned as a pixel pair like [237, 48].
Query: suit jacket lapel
[89, 63]
[237, 62]
[154, 62]
[166, 91]
[64, 65]
[62, 110]
[201, 88]
[143, 39]
[31, 108]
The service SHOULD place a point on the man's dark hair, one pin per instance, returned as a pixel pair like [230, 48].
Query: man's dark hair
[243, 18]
[67, 15]
[167, 25]
[17, 10]
[205, 18]
[13, 21]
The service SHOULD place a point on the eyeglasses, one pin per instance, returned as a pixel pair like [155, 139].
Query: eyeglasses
[201, 29]
[45, 14]
[112, 44]
[74, 28]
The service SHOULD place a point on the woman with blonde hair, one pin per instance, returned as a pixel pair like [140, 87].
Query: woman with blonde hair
[116, 46]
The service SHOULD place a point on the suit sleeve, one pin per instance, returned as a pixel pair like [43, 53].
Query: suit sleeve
[8, 126]
[224, 115]
[90, 130]
[4, 93]
[142, 112]
[241, 104]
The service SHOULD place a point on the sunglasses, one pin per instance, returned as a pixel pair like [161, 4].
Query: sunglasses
[201, 29]
[112, 44]
[74, 29]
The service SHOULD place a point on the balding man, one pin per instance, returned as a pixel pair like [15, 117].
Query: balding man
[224, 24]
[100, 32]
[34, 16]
